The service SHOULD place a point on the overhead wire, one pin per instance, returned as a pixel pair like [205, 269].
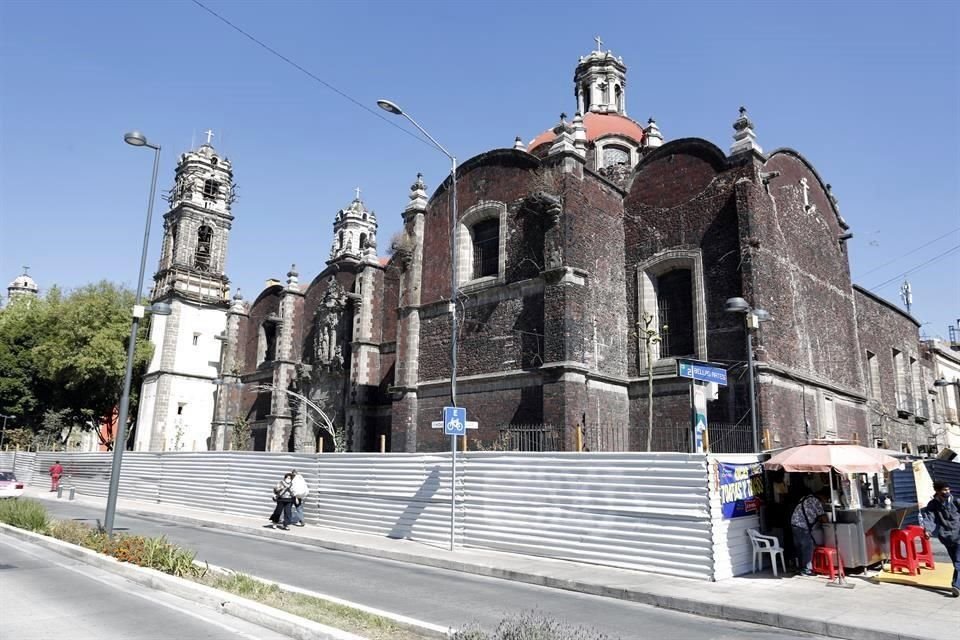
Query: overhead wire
[908, 253]
[307, 72]
[939, 256]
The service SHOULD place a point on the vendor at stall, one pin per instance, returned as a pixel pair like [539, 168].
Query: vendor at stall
[805, 521]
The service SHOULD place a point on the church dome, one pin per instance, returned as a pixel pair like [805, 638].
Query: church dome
[599, 125]
[24, 283]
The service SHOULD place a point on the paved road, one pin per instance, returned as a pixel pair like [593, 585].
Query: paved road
[48, 596]
[439, 596]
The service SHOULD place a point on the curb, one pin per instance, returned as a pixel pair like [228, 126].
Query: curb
[736, 613]
[222, 601]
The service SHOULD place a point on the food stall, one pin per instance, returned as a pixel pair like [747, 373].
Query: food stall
[860, 519]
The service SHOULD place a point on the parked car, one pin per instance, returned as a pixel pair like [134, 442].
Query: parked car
[10, 487]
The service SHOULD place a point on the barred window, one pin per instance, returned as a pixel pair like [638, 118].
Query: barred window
[675, 311]
[486, 248]
[211, 189]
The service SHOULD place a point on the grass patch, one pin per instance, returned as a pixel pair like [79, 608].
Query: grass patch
[322, 611]
[24, 514]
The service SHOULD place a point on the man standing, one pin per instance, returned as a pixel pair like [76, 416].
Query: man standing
[300, 491]
[942, 517]
[56, 471]
[806, 518]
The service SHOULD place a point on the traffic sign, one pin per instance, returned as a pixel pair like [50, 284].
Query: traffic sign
[454, 421]
[702, 372]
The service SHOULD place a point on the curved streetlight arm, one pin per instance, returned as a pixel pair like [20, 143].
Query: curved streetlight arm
[328, 427]
[429, 137]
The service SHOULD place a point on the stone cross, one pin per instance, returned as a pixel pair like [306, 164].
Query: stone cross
[358, 192]
[26, 270]
[599, 43]
[806, 192]
[209, 135]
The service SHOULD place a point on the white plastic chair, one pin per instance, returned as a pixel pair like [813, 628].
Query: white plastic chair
[766, 544]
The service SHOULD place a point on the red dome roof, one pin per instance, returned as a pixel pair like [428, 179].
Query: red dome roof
[598, 125]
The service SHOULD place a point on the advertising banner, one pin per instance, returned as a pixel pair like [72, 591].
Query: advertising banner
[741, 488]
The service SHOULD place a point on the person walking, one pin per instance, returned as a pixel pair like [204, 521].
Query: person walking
[56, 472]
[942, 518]
[805, 520]
[283, 494]
[300, 491]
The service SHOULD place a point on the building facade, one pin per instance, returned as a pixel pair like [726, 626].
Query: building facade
[572, 251]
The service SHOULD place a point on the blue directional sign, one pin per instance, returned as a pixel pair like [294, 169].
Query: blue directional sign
[454, 421]
[702, 372]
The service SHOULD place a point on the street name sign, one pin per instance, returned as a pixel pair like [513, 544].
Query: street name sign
[701, 372]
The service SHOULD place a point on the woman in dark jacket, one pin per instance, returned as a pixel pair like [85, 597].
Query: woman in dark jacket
[283, 494]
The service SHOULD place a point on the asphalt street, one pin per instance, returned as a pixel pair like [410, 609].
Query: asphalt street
[438, 596]
[48, 596]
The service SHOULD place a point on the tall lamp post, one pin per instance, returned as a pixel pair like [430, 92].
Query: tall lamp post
[392, 107]
[136, 139]
[3, 431]
[753, 319]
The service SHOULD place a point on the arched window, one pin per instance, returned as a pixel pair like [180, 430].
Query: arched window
[267, 343]
[201, 258]
[340, 241]
[670, 289]
[363, 241]
[586, 97]
[618, 97]
[614, 155]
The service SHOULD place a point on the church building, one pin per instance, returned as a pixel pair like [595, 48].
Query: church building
[588, 262]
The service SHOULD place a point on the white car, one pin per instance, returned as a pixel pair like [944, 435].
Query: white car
[10, 487]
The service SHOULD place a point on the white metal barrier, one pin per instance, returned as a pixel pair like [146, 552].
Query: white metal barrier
[655, 512]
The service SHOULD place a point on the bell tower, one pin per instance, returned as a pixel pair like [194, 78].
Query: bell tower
[176, 402]
[600, 83]
[354, 231]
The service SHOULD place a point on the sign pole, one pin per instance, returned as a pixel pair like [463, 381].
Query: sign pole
[453, 490]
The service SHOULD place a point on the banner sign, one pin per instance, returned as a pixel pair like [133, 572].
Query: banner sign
[741, 488]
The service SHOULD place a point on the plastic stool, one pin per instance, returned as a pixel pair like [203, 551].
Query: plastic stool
[925, 553]
[903, 553]
[825, 561]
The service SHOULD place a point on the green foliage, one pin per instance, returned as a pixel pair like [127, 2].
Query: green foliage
[154, 553]
[240, 437]
[25, 514]
[530, 626]
[63, 358]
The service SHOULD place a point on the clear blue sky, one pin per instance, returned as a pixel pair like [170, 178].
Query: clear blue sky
[866, 91]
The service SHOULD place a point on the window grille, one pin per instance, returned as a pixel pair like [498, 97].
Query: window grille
[486, 248]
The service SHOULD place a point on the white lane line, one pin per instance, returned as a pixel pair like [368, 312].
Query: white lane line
[148, 598]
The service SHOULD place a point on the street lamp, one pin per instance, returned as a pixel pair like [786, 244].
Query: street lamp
[939, 382]
[391, 107]
[753, 319]
[4, 430]
[136, 139]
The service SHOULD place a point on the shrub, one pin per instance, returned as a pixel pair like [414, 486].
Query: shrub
[530, 626]
[25, 514]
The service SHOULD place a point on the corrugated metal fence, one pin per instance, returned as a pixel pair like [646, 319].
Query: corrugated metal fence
[648, 511]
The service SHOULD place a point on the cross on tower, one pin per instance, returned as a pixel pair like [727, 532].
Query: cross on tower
[358, 192]
[209, 135]
[599, 43]
[26, 270]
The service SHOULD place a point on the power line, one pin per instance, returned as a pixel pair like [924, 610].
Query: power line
[307, 72]
[916, 268]
[911, 252]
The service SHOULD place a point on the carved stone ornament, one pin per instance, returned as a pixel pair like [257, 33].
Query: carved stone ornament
[328, 324]
[545, 204]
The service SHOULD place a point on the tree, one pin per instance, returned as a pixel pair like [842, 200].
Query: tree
[64, 358]
[650, 337]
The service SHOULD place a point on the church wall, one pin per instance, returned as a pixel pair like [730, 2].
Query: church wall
[683, 198]
[593, 241]
[800, 274]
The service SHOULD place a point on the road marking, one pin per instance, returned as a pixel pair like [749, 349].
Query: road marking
[142, 596]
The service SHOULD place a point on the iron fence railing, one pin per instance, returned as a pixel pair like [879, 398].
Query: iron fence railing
[531, 437]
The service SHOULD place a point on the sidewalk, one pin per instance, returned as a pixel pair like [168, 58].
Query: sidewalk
[870, 610]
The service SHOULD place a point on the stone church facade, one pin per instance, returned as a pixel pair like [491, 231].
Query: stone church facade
[568, 249]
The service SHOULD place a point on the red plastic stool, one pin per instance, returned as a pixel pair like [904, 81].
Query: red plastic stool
[903, 553]
[925, 552]
[825, 562]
